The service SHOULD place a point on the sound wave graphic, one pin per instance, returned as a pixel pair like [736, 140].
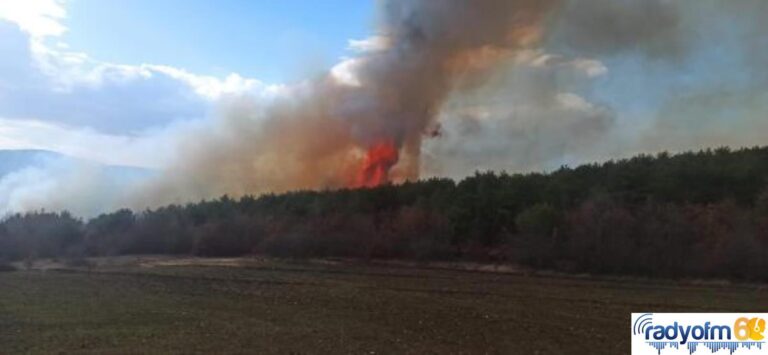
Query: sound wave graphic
[713, 346]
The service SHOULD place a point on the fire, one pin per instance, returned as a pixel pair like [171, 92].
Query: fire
[379, 159]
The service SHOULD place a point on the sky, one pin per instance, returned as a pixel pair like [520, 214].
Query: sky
[80, 73]
[134, 82]
[274, 41]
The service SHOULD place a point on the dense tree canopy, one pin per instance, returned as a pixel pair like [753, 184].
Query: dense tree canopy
[692, 214]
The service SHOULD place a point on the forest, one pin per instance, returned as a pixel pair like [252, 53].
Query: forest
[696, 214]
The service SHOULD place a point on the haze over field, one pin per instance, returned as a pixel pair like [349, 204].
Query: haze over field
[425, 89]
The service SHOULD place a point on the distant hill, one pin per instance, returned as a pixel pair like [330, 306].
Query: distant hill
[15, 160]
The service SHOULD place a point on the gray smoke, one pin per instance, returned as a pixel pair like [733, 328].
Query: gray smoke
[326, 132]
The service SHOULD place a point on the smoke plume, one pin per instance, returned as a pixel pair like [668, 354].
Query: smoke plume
[330, 133]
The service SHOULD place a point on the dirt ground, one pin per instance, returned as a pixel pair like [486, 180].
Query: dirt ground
[175, 305]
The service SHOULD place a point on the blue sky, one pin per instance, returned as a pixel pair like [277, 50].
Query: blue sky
[275, 41]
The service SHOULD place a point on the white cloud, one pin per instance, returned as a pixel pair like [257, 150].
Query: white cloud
[69, 88]
[345, 72]
[214, 88]
[370, 44]
[39, 18]
[539, 59]
[69, 69]
[80, 91]
[42, 18]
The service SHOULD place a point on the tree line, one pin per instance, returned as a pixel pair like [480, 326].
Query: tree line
[696, 214]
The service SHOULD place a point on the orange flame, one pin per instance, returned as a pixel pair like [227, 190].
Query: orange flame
[380, 158]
